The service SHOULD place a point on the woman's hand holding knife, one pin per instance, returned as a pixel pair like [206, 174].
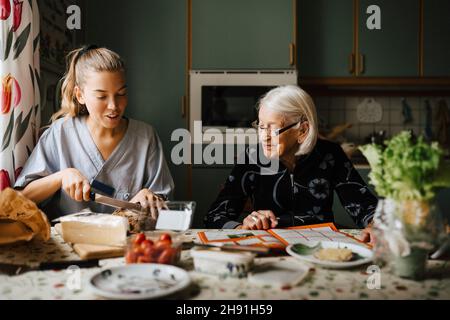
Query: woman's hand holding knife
[79, 189]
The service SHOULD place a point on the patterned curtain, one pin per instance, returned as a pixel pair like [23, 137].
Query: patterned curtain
[20, 86]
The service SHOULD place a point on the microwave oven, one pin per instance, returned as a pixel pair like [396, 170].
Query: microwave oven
[224, 100]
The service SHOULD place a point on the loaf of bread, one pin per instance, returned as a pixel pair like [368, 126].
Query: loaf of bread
[21, 219]
[139, 221]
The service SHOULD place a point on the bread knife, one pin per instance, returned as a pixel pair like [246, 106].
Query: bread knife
[116, 203]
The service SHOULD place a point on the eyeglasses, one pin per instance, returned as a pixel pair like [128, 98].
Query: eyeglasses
[273, 132]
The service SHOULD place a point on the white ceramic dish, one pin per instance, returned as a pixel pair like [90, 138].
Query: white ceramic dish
[222, 263]
[363, 255]
[139, 281]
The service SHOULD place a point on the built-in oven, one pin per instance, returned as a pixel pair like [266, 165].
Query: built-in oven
[224, 100]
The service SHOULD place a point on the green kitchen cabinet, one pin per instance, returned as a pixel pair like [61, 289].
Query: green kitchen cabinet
[334, 39]
[436, 38]
[324, 38]
[151, 38]
[443, 201]
[242, 34]
[393, 50]
[207, 181]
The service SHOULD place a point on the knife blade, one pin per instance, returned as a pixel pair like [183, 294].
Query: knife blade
[116, 203]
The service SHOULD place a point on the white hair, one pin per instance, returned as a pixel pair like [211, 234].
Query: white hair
[294, 104]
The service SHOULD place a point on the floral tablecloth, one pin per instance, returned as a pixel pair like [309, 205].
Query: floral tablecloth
[319, 284]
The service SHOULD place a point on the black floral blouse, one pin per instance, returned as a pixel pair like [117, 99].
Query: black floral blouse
[302, 197]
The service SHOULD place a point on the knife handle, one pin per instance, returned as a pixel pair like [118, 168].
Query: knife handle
[92, 196]
[102, 188]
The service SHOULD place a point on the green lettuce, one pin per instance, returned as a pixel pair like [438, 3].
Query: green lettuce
[407, 169]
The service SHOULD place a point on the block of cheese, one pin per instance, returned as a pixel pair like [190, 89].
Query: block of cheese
[95, 228]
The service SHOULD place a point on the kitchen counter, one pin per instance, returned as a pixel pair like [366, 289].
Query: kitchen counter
[319, 284]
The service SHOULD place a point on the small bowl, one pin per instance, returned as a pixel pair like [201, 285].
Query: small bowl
[153, 250]
[224, 264]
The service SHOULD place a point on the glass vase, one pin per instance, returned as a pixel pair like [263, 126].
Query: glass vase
[405, 233]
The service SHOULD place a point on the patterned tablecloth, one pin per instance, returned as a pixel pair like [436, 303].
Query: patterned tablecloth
[319, 284]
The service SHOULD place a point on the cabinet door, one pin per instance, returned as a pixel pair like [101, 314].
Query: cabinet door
[436, 38]
[324, 38]
[207, 182]
[242, 34]
[393, 50]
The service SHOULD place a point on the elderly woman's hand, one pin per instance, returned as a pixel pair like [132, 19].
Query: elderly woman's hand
[150, 202]
[260, 220]
[367, 235]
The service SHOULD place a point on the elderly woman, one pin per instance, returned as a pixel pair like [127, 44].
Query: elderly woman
[300, 191]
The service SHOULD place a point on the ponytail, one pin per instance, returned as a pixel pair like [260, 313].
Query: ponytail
[69, 104]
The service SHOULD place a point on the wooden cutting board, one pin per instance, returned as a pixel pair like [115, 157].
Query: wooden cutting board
[93, 251]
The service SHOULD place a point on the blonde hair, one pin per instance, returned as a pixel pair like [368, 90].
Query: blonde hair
[79, 62]
[294, 104]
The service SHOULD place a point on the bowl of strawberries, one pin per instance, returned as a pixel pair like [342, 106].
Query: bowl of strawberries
[156, 248]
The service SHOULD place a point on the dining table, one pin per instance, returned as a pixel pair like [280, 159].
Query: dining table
[22, 279]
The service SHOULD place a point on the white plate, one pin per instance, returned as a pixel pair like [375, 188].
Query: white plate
[139, 281]
[364, 253]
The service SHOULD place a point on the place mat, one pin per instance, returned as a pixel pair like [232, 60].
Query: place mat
[35, 252]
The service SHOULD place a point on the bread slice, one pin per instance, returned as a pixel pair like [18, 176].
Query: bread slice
[15, 207]
[334, 254]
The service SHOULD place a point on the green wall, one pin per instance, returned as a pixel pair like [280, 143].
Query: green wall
[151, 37]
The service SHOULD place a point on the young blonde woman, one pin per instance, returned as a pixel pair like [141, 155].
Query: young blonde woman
[310, 169]
[90, 139]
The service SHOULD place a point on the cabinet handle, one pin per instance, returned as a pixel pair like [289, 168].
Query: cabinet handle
[361, 64]
[351, 68]
[183, 106]
[291, 53]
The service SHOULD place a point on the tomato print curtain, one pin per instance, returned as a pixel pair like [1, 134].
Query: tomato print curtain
[20, 81]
